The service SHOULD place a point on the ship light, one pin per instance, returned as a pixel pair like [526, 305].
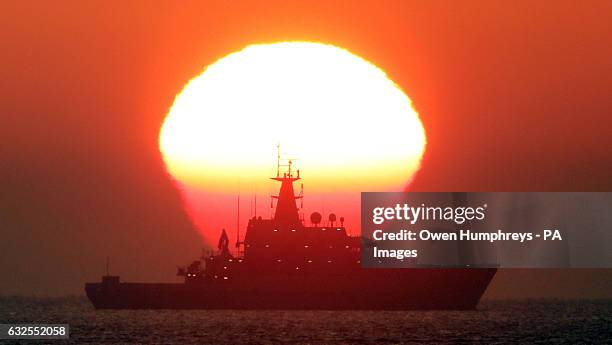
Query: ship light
[224, 267]
[225, 278]
[239, 260]
[267, 246]
[309, 261]
[306, 246]
[297, 268]
[230, 260]
[275, 230]
[216, 277]
[323, 229]
[279, 260]
[347, 247]
[329, 261]
[292, 230]
[338, 229]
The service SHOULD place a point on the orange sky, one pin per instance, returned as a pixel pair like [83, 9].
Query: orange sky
[513, 97]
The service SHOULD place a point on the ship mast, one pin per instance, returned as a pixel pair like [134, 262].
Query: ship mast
[286, 209]
[238, 223]
[278, 160]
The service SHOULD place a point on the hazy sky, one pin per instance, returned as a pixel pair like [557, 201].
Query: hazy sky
[513, 97]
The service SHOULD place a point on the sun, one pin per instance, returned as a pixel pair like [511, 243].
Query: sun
[344, 123]
[347, 124]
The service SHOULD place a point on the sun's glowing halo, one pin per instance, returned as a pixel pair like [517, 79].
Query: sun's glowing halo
[350, 127]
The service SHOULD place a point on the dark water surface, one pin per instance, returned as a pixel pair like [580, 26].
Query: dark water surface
[496, 322]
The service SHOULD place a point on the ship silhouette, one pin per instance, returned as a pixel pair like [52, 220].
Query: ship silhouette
[283, 264]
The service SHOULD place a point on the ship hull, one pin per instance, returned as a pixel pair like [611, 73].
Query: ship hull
[365, 289]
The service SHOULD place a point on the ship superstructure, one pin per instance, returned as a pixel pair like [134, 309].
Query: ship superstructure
[282, 244]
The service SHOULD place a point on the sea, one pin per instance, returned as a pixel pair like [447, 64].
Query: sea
[494, 322]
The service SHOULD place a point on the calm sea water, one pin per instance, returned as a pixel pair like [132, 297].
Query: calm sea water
[496, 322]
